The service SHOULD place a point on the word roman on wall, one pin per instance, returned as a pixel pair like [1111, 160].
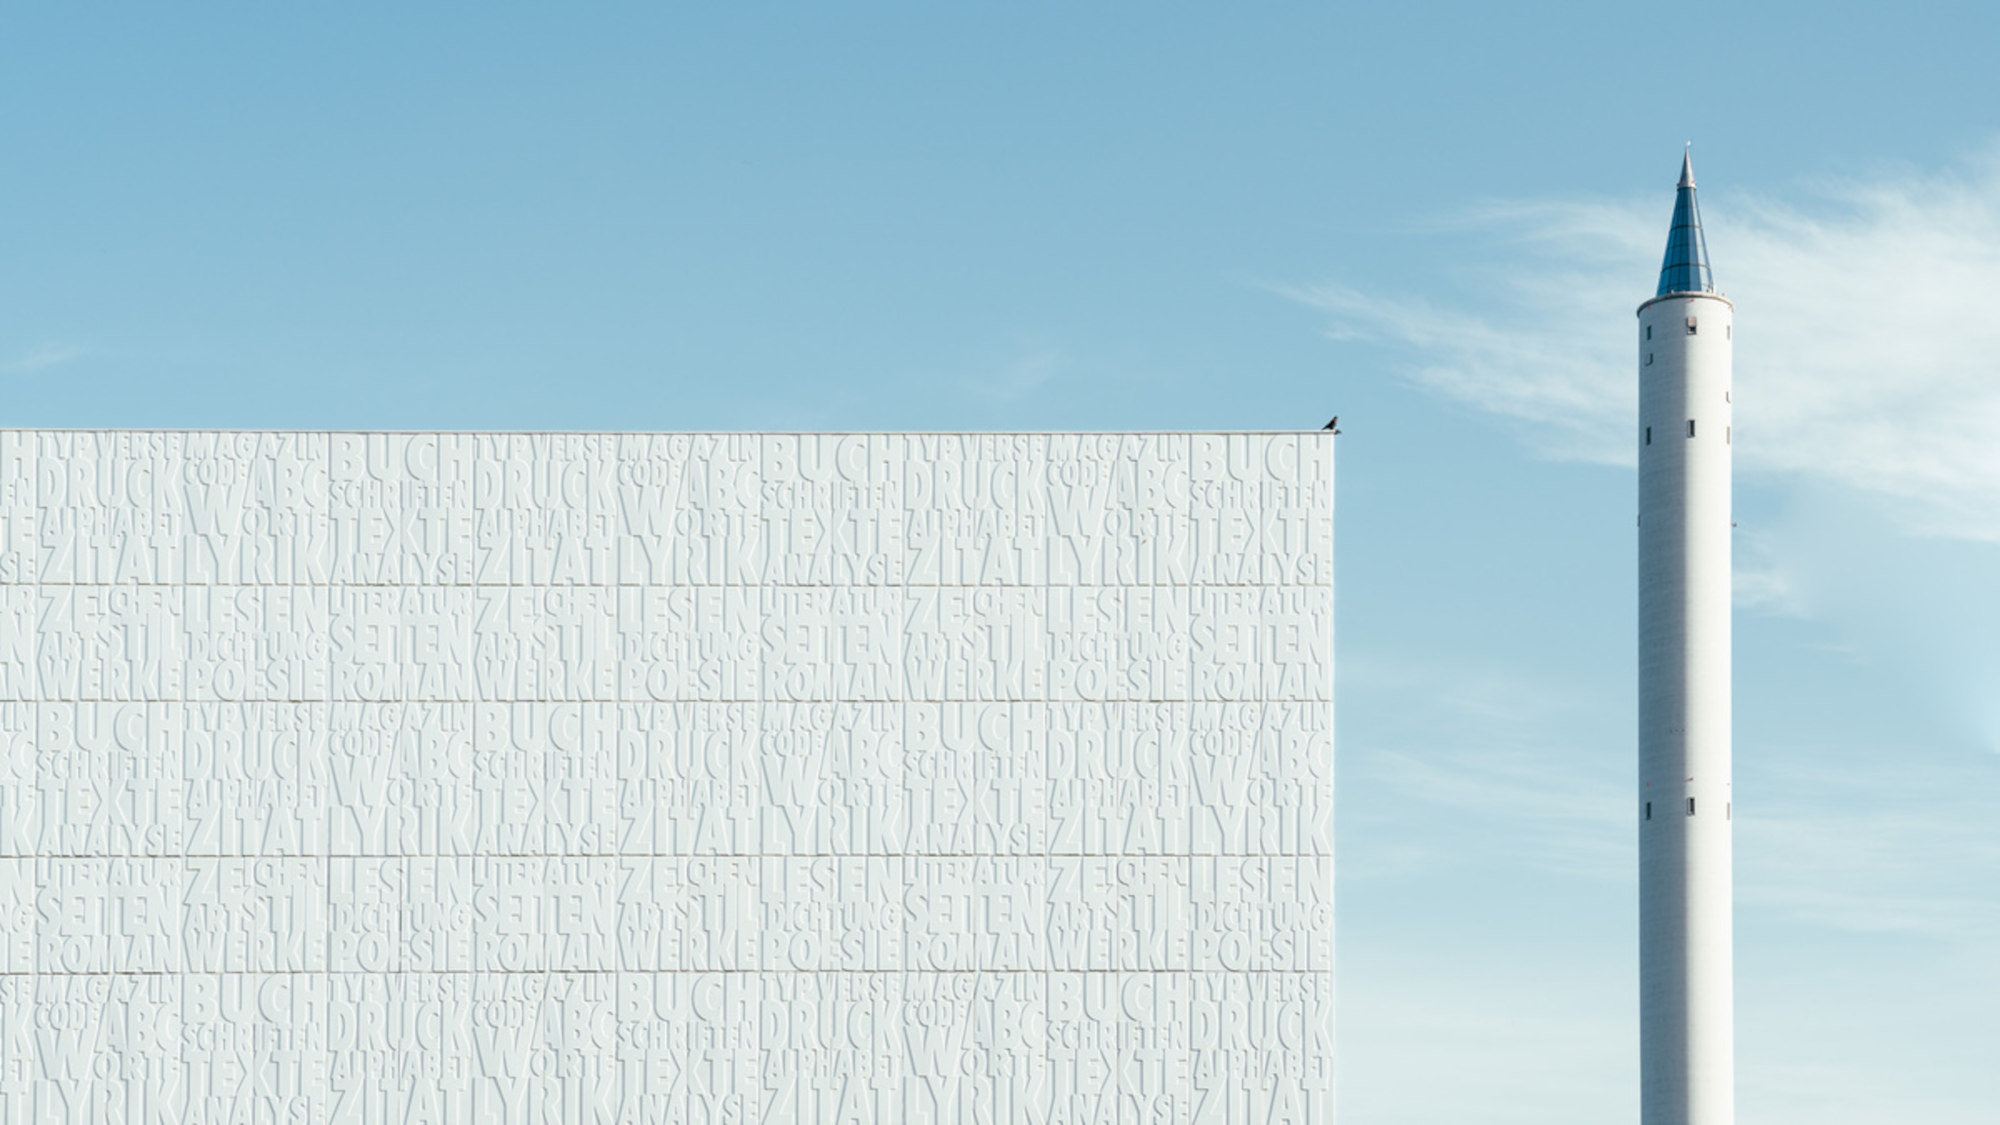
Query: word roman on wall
[701, 778]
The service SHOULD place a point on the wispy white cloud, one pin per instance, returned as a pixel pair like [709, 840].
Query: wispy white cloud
[1868, 333]
[1020, 376]
[1866, 857]
[1761, 580]
[1449, 753]
[42, 357]
[1549, 818]
[1494, 1035]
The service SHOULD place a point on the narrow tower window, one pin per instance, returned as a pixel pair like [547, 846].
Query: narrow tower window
[1649, 332]
[1725, 434]
[1649, 810]
[1649, 359]
[1690, 326]
[1728, 331]
[1690, 427]
[1649, 435]
[1690, 806]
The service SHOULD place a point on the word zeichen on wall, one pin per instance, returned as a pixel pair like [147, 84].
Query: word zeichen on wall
[665, 777]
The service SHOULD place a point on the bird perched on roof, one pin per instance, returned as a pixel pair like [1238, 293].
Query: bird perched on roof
[1333, 425]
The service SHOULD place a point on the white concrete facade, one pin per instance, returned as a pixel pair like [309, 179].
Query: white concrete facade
[637, 778]
[1685, 804]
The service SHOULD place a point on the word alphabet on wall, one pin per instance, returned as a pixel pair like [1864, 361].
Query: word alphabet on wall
[641, 778]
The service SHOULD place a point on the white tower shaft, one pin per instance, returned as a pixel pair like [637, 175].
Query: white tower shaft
[1687, 1020]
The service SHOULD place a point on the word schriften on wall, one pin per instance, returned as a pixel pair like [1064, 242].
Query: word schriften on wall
[666, 778]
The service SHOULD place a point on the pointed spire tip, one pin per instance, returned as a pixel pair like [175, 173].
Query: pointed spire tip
[1685, 267]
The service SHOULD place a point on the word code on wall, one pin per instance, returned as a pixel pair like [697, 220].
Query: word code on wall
[705, 778]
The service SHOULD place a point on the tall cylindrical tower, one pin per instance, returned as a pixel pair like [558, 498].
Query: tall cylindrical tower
[1686, 988]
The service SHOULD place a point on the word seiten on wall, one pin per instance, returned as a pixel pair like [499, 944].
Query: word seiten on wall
[666, 777]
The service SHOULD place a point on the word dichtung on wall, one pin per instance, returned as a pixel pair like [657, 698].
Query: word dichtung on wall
[666, 777]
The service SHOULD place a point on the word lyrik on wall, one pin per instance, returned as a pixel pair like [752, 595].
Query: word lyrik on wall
[535, 778]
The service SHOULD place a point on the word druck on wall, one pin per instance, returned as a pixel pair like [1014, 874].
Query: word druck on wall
[533, 778]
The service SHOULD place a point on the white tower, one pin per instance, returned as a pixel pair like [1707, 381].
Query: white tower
[1686, 990]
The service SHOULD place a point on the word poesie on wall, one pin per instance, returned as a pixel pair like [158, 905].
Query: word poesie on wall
[621, 778]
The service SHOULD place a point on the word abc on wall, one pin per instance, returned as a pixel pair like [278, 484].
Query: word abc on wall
[535, 778]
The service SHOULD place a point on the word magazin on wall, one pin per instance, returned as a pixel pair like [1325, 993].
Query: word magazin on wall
[666, 777]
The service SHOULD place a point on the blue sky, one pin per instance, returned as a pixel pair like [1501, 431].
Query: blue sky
[1432, 220]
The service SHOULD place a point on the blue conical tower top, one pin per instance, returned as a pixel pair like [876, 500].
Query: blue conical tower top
[1685, 268]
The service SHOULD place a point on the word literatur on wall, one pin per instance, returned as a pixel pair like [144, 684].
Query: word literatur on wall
[666, 777]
